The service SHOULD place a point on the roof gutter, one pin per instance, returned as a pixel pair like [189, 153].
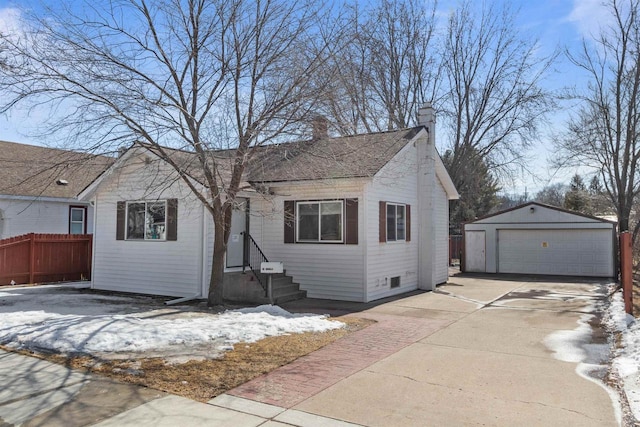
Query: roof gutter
[42, 199]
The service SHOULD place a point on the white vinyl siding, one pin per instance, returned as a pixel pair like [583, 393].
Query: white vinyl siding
[331, 271]
[32, 216]
[441, 223]
[171, 268]
[397, 182]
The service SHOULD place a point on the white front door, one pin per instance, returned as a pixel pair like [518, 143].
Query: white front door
[235, 246]
[474, 252]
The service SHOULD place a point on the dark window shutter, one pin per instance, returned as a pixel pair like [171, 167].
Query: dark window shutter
[383, 222]
[289, 221]
[121, 220]
[172, 219]
[351, 222]
[408, 223]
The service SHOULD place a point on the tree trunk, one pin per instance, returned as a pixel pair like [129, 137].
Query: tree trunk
[217, 268]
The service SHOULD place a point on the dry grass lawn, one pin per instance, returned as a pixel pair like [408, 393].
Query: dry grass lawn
[203, 380]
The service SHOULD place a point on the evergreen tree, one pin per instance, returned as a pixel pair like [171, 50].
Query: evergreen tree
[478, 190]
[577, 198]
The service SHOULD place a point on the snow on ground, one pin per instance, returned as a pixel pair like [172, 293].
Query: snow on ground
[577, 346]
[67, 320]
[626, 361]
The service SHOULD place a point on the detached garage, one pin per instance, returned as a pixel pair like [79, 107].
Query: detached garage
[539, 239]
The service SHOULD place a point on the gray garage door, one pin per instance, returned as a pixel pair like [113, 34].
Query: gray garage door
[579, 252]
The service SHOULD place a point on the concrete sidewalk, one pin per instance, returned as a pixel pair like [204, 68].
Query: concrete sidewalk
[470, 353]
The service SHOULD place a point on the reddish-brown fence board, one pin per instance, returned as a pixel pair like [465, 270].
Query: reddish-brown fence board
[37, 258]
[626, 270]
[455, 247]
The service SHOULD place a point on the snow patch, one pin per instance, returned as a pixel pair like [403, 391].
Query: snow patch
[570, 345]
[626, 359]
[575, 346]
[52, 319]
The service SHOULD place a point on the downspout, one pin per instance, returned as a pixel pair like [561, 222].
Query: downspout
[203, 250]
[365, 242]
[95, 240]
[183, 299]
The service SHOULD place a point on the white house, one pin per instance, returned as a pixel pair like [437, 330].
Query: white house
[354, 218]
[534, 238]
[39, 188]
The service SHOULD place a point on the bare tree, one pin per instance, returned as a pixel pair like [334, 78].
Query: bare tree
[603, 135]
[553, 194]
[494, 102]
[198, 75]
[383, 69]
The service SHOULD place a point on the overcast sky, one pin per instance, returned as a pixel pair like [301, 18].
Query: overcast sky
[558, 24]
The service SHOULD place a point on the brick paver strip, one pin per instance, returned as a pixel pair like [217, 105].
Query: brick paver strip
[307, 376]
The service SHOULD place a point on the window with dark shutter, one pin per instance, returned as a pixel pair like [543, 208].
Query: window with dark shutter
[321, 221]
[382, 222]
[289, 221]
[121, 216]
[152, 220]
[394, 222]
[172, 219]
[408, 231]
[351, 221]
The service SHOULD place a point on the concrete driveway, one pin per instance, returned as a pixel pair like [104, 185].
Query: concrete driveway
[481, 360]
[478, 351]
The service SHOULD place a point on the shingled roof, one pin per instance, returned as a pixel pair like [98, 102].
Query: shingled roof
[327, 158]
[318, 159]
[28, 170]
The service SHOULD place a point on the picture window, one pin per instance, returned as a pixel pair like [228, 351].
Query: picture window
[320, 221]
[146, 220]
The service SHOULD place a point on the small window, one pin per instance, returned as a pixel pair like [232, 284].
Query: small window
[77, 220]
[396, 222]
[320, 221]
[146, 220]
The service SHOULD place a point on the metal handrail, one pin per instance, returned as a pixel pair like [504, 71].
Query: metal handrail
[252, 258]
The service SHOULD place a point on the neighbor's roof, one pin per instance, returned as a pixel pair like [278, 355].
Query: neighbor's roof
[29, 170]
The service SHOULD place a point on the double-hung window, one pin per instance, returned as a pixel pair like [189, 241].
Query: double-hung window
[320, 221]
[396, 222]
[77, 219]
[146, 220]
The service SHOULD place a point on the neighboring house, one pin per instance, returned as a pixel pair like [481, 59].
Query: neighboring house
[353, 218]
[534, 238]
[38, 189]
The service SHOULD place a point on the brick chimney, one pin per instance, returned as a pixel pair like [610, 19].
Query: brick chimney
[320, 126]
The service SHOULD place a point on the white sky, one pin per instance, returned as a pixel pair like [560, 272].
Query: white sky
[557, 23]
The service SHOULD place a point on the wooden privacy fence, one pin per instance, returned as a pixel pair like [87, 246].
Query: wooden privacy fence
[455, 247]
[626, 270]
[38, 258]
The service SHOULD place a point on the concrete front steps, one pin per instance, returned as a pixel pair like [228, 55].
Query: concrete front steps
[244, 287]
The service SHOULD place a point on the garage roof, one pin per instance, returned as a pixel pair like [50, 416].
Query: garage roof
[534, 212]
